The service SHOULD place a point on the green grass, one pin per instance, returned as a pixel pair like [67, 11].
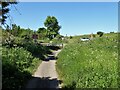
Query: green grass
[89, 64]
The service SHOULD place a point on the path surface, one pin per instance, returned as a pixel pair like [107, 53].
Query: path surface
[46, 75]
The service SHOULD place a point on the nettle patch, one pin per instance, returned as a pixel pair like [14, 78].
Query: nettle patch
[16, 64]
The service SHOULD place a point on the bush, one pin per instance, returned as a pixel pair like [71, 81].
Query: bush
[37, 50]
[100, 33]
[17, 56]
[71, 37]
[15, 62]
[111, 32]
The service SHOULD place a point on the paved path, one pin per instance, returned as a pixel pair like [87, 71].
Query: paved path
[46, 75]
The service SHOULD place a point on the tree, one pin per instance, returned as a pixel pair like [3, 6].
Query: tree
[100, 33]
[4, 10]
[15, 30]
[42, 32]
[52, 27]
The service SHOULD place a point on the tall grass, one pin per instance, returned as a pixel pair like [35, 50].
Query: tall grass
[91, 64]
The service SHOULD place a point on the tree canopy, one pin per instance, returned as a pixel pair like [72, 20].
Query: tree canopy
[51, 23]
[100, 33]
[42, 32]
[4, 10]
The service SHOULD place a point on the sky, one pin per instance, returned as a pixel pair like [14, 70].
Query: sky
[76, 18]
[69, 0]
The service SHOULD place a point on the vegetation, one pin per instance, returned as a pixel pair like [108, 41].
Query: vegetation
[100, 33]
[52, 27]
[81, 64]
[20, 61]
[89, 64]
[42, 32]
[16, 63]
[5, 9]
[20, 56]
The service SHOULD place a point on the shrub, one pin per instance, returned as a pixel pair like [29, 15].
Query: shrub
[15, 62]
[100, 33]
[37, 50]
[71, 37]
[111, 32]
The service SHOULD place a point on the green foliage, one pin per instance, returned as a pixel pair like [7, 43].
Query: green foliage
[24, 32]
[85, 36]
[17, 56]
[100, 33]
[15, 30]
[37, 50]
[41, 30]
[20, 55]
[5, 10]
[57, 39]
[42, 33]
[52, 27]
[7, 39]
[90, 64]
[94, 35]
[15, 67]
[111, 32]
[20, 61]
[71, 37]
[59, 36]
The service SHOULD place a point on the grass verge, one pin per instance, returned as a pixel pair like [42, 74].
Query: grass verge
[90, 64]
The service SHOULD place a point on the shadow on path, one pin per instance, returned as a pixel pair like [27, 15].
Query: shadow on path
[54, 47]
[45, 82]
[50, 57]
[45, 76]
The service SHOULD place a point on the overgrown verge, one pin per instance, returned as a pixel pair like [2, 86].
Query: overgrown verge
[90, 64]
[19, 61]
[17, 67]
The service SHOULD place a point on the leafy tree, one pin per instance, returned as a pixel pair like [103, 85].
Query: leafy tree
[25, 32]
[100, 33]
[40, 30]
[5, 9]
[52, 27]
[42, 33]
[15, 29]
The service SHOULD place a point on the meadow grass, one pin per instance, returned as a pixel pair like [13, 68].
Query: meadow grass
[90, 64]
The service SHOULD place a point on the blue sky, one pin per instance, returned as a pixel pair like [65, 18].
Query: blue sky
[75, 18]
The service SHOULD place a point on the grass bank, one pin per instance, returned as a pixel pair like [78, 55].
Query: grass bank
[90, 64]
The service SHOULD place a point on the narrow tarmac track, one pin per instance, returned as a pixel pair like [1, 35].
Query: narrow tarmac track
[46, 75]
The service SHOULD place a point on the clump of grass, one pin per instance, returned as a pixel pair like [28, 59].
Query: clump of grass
[90, 64]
